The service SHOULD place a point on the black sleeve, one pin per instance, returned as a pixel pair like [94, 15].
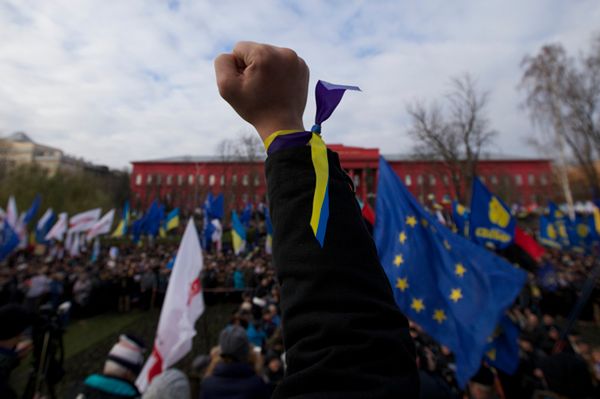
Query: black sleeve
[343, 334]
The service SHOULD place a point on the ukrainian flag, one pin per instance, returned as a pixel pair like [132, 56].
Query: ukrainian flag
[172, 221]
[238, 234]
[121, 229]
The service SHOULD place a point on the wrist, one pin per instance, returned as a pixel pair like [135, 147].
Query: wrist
[268, 128]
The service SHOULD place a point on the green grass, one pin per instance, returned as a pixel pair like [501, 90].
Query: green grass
[82, 334]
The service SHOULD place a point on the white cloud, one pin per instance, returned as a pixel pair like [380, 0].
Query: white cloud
[115, 81]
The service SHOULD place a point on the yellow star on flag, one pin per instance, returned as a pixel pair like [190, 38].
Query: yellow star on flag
[491, 354]
[402, 284]
[424, 222]
[460, 270]
[417, 305]
[411, 221]
[456, 294]
[402, 237]
[398, 260]
[447, 245]
[439, 316]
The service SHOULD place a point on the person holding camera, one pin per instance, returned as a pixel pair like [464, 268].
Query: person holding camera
[14, 319]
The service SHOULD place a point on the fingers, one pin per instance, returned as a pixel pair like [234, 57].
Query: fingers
[227, 73]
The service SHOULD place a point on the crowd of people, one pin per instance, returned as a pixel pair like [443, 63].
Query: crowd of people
[250, 355]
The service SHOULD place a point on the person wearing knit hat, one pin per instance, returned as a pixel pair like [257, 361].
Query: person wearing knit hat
[122, 365]
[14, 319]
[233, 376]
[170, 384]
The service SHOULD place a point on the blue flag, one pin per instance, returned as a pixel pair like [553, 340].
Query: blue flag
[491, 223]
[461, 215]
[44, 225]
[246, 215]
[548, 233]
[503, 350]
[456, 290]
[561, 224]
[9, 240]
[214, 206]
[35, 205]
[547, 277]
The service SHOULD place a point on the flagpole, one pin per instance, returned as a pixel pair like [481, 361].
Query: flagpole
[584, 296]
[564, 177]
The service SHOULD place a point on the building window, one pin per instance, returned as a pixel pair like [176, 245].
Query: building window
[431, 180]
[138, 180]
[222, 180]
[408, 180]
[421, 199]
[482, 178]
[211, 180]
[245, 180]
[233, 180]
[356, 180]
[256, 181]
[446, 180]
[245, 198]
[420, 180]
[169, 180]
[543, 180]
[148, 180]
[158, 179]
[179, 180]
[531, 179]
[201, 180]
[191, 180]
[493, 179]
[518, 180]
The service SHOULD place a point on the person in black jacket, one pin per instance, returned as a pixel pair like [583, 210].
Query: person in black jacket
[343, 334]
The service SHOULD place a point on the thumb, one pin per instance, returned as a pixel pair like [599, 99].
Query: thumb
[228, 75]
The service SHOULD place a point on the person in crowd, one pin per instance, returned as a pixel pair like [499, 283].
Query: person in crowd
[339, 315]
[14, 320]
[37, 287]
[232, 374]
[121, 368]
[170, 384]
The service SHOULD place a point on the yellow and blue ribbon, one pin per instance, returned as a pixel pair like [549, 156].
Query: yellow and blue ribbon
[328, 96]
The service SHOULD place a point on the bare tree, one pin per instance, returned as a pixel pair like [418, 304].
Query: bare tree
[454, 135]
[563, 98]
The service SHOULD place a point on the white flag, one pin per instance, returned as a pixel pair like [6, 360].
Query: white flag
[58, 230]
[84, 221]
[11, 212]
[217, 235]
[102, 226]
[183, 305]
[74, 248]
[41, 224]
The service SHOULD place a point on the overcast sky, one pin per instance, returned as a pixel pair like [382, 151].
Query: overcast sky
[115, 81]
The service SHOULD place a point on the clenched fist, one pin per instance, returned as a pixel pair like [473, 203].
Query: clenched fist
[266, 85]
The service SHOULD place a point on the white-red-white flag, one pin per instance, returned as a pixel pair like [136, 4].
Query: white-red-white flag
[102, 226]
[84, 221]
[182, 306]
[58, 230]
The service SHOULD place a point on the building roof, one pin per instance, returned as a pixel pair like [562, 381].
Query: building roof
[197, 159]
[20, 137]
[484, 157]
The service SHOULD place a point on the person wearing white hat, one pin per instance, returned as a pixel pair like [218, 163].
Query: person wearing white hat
[122, 365]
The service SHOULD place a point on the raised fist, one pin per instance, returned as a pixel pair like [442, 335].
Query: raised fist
[266, 85]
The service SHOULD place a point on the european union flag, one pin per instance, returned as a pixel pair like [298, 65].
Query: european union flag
[461, 215]
[214, 206]
[503, 350]
[246, 215]
[9, 240]
[456, 290]
[547, 277]
[491, 222]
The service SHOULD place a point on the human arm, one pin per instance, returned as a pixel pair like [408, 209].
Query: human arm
[343, 334]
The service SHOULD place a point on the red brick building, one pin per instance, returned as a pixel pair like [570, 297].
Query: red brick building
[185, 181]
